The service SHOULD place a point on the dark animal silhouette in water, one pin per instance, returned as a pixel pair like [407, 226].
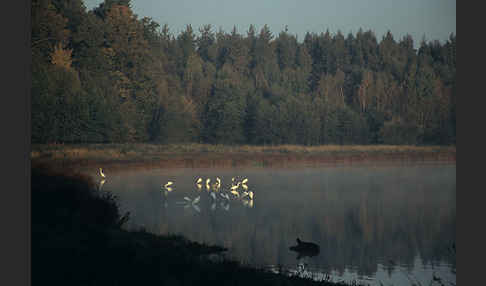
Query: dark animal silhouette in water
[305, 249]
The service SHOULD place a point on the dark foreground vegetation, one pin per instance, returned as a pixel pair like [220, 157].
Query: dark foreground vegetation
[107, 76]
[77, 239]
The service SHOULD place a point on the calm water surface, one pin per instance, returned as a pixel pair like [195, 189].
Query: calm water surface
[374, 224]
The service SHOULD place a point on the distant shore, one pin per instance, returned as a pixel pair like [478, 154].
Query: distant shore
[204, 155]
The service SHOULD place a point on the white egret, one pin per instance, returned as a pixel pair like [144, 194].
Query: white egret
[102, 174]
[250, 194]
[168, 184]
[245, 187]
[219, 181]
[244, 181]
[235, 193]
[169, 189]
[235, 186]
[207, 184]
[199, 181]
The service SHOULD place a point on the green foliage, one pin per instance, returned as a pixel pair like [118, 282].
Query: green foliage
[397, 132]
[106, 76]
[225, 110]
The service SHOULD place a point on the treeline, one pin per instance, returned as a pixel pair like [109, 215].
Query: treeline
[106, 76]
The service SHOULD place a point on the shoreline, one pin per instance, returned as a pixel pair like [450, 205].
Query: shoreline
[151, 156]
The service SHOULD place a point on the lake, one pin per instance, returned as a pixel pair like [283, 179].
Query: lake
[390, 224]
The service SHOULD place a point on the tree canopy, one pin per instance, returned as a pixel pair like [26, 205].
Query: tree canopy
[106, 75]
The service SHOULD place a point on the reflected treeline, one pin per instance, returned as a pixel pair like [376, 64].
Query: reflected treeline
[359, 217]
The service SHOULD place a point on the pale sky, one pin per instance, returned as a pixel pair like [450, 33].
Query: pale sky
[436, 19]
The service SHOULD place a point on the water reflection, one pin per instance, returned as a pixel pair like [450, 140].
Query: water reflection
[361, 218]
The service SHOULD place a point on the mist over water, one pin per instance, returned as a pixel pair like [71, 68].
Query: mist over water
[389, 224]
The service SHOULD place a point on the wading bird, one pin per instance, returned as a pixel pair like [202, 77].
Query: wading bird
[102, 174]
[168, 184]
[235, 187]
[199, 181]
[235, 193]
[207, 184]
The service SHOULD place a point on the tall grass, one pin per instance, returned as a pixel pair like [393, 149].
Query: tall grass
[139, 150]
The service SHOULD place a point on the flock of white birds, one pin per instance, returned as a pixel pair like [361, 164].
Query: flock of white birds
[237, 191]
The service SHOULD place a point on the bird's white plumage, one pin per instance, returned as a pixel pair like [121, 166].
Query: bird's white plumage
[102, 174]
[168, 184]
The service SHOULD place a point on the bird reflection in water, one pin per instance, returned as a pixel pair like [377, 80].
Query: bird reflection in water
[102, 182]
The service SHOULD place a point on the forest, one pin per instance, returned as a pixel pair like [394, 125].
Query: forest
[107, 76]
